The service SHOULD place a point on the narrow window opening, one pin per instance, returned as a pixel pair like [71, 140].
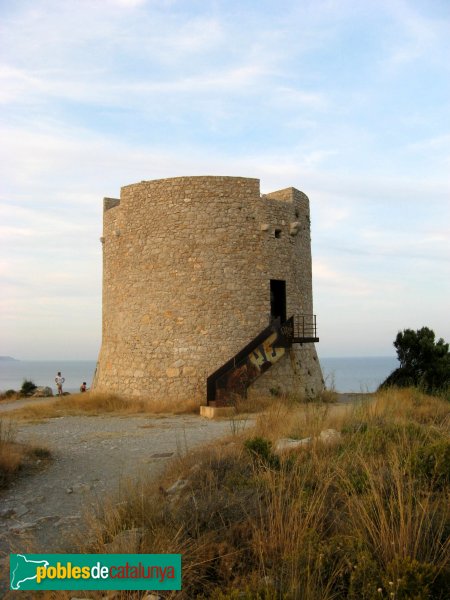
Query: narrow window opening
[278, 299]
[278, 233]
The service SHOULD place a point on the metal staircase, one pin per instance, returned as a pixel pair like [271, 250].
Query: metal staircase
[237, 374]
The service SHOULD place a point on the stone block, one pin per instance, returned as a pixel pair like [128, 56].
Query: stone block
[213, 412]
[172, 372]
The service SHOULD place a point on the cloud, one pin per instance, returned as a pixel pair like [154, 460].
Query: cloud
[129, 3]
[326, 276]
[97, 95]
[293, 98]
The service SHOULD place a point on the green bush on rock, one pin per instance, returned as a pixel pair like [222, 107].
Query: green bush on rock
[28, 387]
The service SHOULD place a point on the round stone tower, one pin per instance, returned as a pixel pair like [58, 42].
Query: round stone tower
[193, 269]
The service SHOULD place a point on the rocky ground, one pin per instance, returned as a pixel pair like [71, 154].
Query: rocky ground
[92, 457]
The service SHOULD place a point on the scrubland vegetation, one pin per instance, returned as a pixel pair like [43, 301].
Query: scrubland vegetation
[92, 403]
[363, 518]
[27, 390]
[14, 457]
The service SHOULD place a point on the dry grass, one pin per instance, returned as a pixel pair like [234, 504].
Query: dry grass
[409, 405]
[10, 396]
[253, 404]
[259, 403]
[11, 454]
[364, 519]
[92, 404]
[14, 457]
[284, 419]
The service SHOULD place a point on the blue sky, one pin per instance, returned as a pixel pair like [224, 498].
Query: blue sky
[348, 101]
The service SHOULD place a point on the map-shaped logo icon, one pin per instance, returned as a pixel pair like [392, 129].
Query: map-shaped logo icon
[23, 569]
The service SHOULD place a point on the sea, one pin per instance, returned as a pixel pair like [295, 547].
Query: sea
[343, 374]
[43, 373]
[357, 374]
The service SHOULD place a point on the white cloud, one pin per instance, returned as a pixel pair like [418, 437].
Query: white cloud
[327, 277]
[97, 95]
[291, 97]
[128, 3]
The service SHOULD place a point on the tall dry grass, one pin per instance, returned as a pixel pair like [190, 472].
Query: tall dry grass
[15, 456]
[363, 519]
[92, 404]
[11, 455]
[291, 419]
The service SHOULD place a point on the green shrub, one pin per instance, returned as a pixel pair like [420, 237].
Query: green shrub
[354, 427]
[28, 387]
[375, 437]
[357, 480]
[432, 462]
[409, 579]
[261, 449]
[404, 579]
[365, 578]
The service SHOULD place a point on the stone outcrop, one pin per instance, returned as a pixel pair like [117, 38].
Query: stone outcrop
[326, 436]
[43, 392]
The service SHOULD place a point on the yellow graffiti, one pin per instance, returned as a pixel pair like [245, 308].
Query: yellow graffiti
[266, 352]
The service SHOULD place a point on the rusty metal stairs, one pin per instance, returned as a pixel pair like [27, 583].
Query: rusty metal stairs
[235, 376]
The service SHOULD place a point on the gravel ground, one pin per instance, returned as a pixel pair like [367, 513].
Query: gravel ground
[91, 456]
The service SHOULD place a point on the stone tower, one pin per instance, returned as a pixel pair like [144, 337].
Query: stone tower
[193, 269]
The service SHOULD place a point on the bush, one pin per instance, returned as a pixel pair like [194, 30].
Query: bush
[405, 579]
[433, 463]
[261, 449]
[423, 362]
[409, 579]
[28, 387]
[9, 395]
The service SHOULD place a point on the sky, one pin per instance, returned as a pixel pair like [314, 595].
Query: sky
[348, 101]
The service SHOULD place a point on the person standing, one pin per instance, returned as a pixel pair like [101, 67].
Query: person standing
[83, 387]
[59, 380]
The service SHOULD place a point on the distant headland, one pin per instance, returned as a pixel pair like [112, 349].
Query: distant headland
[8, 359]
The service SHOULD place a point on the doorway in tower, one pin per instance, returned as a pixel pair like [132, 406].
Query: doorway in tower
[278, 299]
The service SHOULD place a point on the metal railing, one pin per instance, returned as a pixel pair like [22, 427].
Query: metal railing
[305, 328]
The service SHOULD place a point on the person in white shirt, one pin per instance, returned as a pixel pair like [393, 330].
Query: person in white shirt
[59, 380]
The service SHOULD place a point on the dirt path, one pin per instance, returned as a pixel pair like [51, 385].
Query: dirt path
[91, 456]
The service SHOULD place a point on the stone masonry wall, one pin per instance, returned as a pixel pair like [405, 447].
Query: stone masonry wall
[187, 264]
[289, 258]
